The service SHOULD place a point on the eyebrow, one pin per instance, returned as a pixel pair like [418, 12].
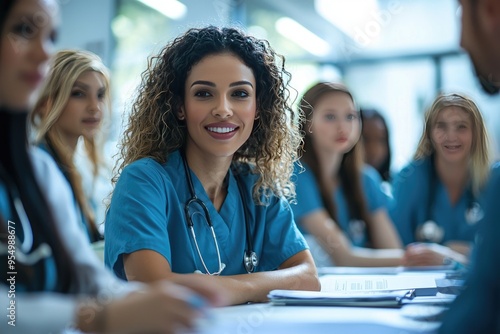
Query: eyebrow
[85, 86]
[453, 122]
[211, 84]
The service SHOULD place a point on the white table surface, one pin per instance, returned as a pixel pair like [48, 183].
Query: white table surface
[267, 318]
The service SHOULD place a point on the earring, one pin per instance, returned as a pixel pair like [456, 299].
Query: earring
[181, 117]
[310, 129]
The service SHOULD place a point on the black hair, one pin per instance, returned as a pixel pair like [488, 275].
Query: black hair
[385, 169]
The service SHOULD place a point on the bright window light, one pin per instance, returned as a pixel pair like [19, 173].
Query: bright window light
[301, 36]
[170, 8]
[352, 17]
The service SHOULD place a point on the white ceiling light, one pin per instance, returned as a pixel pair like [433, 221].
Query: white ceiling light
[170, 8]
[357, 19]
[301, 36]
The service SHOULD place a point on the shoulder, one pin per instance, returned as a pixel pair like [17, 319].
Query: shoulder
[302, 173]
[46, 170]
[415, 170]
[495, 170]
[371, 174]
[150, 169]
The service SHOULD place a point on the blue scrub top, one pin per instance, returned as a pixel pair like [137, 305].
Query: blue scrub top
[476, 309]
[309, 200]
[411, 196]
[147, 212]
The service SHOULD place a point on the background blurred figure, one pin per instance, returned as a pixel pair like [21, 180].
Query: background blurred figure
[477, 308]
[58, 281]
[340, 206]
[375, 135]
[72, 105]
[438, 197]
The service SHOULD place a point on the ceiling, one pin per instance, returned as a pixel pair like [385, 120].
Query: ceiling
[396, 28]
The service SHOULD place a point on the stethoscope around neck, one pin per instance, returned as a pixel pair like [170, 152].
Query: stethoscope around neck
[430, 231]
[24, 250]
[250, 259]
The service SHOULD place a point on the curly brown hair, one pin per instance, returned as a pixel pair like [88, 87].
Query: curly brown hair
[154, 131]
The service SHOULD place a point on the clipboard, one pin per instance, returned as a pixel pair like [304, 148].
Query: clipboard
[391, 298]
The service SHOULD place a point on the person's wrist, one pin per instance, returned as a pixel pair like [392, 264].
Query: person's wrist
[92, 318]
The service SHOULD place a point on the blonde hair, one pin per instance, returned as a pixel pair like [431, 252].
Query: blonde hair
[66, 67]
[154, 131]
[480, 159]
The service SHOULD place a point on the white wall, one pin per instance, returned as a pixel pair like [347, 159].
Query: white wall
[86, 24]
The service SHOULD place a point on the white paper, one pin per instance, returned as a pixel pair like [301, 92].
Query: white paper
[349, 283]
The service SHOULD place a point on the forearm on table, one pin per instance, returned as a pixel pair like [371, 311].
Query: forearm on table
[255, 287]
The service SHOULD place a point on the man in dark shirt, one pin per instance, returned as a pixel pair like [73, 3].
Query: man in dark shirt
[477, 308]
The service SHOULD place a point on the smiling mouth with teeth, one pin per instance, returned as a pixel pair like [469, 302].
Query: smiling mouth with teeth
[221, 130]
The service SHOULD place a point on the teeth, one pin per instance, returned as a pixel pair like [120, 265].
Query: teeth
[220, 130]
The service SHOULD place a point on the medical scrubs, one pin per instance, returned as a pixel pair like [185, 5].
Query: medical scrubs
[147, 212]
[477, 308]
[309, 200]
[414, 205]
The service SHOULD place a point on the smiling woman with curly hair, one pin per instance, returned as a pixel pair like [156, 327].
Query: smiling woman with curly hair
[205, 170]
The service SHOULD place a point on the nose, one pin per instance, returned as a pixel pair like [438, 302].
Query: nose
[450, 134]
[41, 50]
[343, 126]
[94, 105]
[223, 108]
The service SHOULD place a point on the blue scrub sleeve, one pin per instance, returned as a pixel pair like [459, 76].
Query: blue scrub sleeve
[282, 239]
[372, 184]
[406, 198]
[136, 218]
[308, 194]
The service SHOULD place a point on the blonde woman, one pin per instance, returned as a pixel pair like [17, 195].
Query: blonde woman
[438, 196]
[72, 105]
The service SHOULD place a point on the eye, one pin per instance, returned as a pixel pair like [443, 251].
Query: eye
[101, 95]
[240, 94]
[77, 93]
[202, 93]
[24, 30]
[330, 117]
[352, 117]
[53, 36]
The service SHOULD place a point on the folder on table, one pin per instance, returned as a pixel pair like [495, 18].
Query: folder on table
[359, 298]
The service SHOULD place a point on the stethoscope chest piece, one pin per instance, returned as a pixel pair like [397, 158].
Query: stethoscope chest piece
[474, 214]
[430, 232]
[251, 261]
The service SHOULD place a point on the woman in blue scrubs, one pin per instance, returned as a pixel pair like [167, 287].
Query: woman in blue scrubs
[438, 196]
[340, 205]
[205, 171]
[51, 281]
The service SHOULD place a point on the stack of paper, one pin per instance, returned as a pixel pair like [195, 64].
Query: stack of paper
[367, 290]
[423, 284]
[317, 298]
